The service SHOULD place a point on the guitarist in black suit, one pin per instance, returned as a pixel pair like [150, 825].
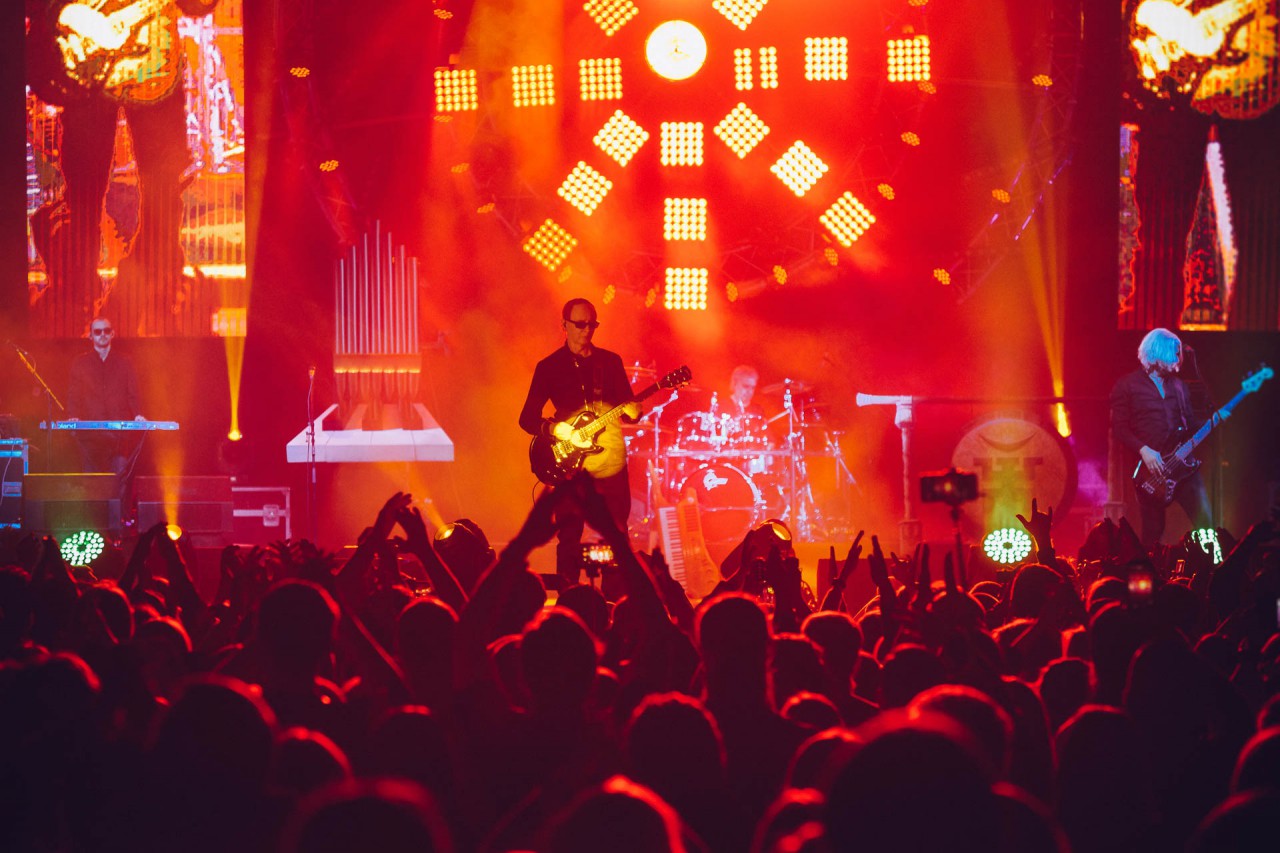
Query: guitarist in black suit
[578, 376]
[1150, 413]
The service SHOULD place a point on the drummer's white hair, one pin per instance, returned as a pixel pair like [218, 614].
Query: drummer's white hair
[742, 371]
[1162, 348]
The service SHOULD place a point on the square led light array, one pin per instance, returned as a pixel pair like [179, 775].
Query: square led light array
[686, 289]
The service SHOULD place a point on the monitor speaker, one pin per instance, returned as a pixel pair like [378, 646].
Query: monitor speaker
[61, 503]
[201, 506]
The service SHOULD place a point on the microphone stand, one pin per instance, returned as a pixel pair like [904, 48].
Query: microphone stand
[311, 455]
[51, 399]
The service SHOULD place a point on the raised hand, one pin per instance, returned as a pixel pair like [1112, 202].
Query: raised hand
[924, 579]
[880, 574]
[1039, 526]
[850, 560]
[415, 529]
[389, 514]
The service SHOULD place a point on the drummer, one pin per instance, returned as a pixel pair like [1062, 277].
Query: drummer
[742, 384]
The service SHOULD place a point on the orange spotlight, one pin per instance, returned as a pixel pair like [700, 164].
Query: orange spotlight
[234, 435]
[173, 531]
[942, 276]
[1001, 195]
[885, 190]
[911, 138]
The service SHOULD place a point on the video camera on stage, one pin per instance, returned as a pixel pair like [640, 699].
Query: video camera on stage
[951, 487]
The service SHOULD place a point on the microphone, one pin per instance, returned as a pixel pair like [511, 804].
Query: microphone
[14, 344]
[311, 372]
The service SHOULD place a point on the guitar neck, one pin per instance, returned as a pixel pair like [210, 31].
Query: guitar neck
[615, 413]
[1216, 418]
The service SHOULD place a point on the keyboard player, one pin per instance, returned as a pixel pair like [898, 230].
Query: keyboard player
[104, 386]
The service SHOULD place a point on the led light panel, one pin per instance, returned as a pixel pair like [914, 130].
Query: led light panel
[584, 188]
[799, 168]
[684, 219]
[600, 79]
[768, 68]
[533, 86]
[741, 130]
[908, 59]
[742, 65]
[847, 219]
[686, 289]
[620, 138]
[826, 59]
[611, 15]
[550, 245]
[681, 143]
[456, 90]
[739, 12]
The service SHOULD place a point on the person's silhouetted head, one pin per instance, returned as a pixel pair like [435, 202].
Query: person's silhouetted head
[297, 623]
[1258, 766]
[986, 721]
[913, 785]
[558, 658]
[1243, 823]
[305, 760]
[673, 745]
[389, 816]
[620, 816]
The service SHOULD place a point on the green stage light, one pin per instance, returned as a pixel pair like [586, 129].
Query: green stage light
[1007, 545]
[1208, 539]
[82, 547]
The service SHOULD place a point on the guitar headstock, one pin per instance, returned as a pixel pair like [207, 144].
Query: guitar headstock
[1254, 380]
[676, 378]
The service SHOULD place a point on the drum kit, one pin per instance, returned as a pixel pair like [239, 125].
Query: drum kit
[742, 467]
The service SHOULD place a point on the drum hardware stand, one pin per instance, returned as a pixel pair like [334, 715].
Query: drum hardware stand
[801, 512]
[658, 468]
[845, 479]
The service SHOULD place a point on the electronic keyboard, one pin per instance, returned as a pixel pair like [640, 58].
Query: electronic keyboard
[112, 425]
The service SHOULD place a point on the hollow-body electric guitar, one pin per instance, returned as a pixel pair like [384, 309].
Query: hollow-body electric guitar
[556, 458]
[1179, 464]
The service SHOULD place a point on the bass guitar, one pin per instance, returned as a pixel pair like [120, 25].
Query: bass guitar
[557, 457]
[1179, 464]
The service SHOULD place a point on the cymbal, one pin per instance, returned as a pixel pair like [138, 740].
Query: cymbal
[797, 386]
[636, 372]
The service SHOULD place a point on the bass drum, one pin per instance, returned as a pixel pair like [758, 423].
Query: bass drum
[728, 503]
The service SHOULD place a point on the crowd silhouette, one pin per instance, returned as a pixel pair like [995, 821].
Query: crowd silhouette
[423, 696]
